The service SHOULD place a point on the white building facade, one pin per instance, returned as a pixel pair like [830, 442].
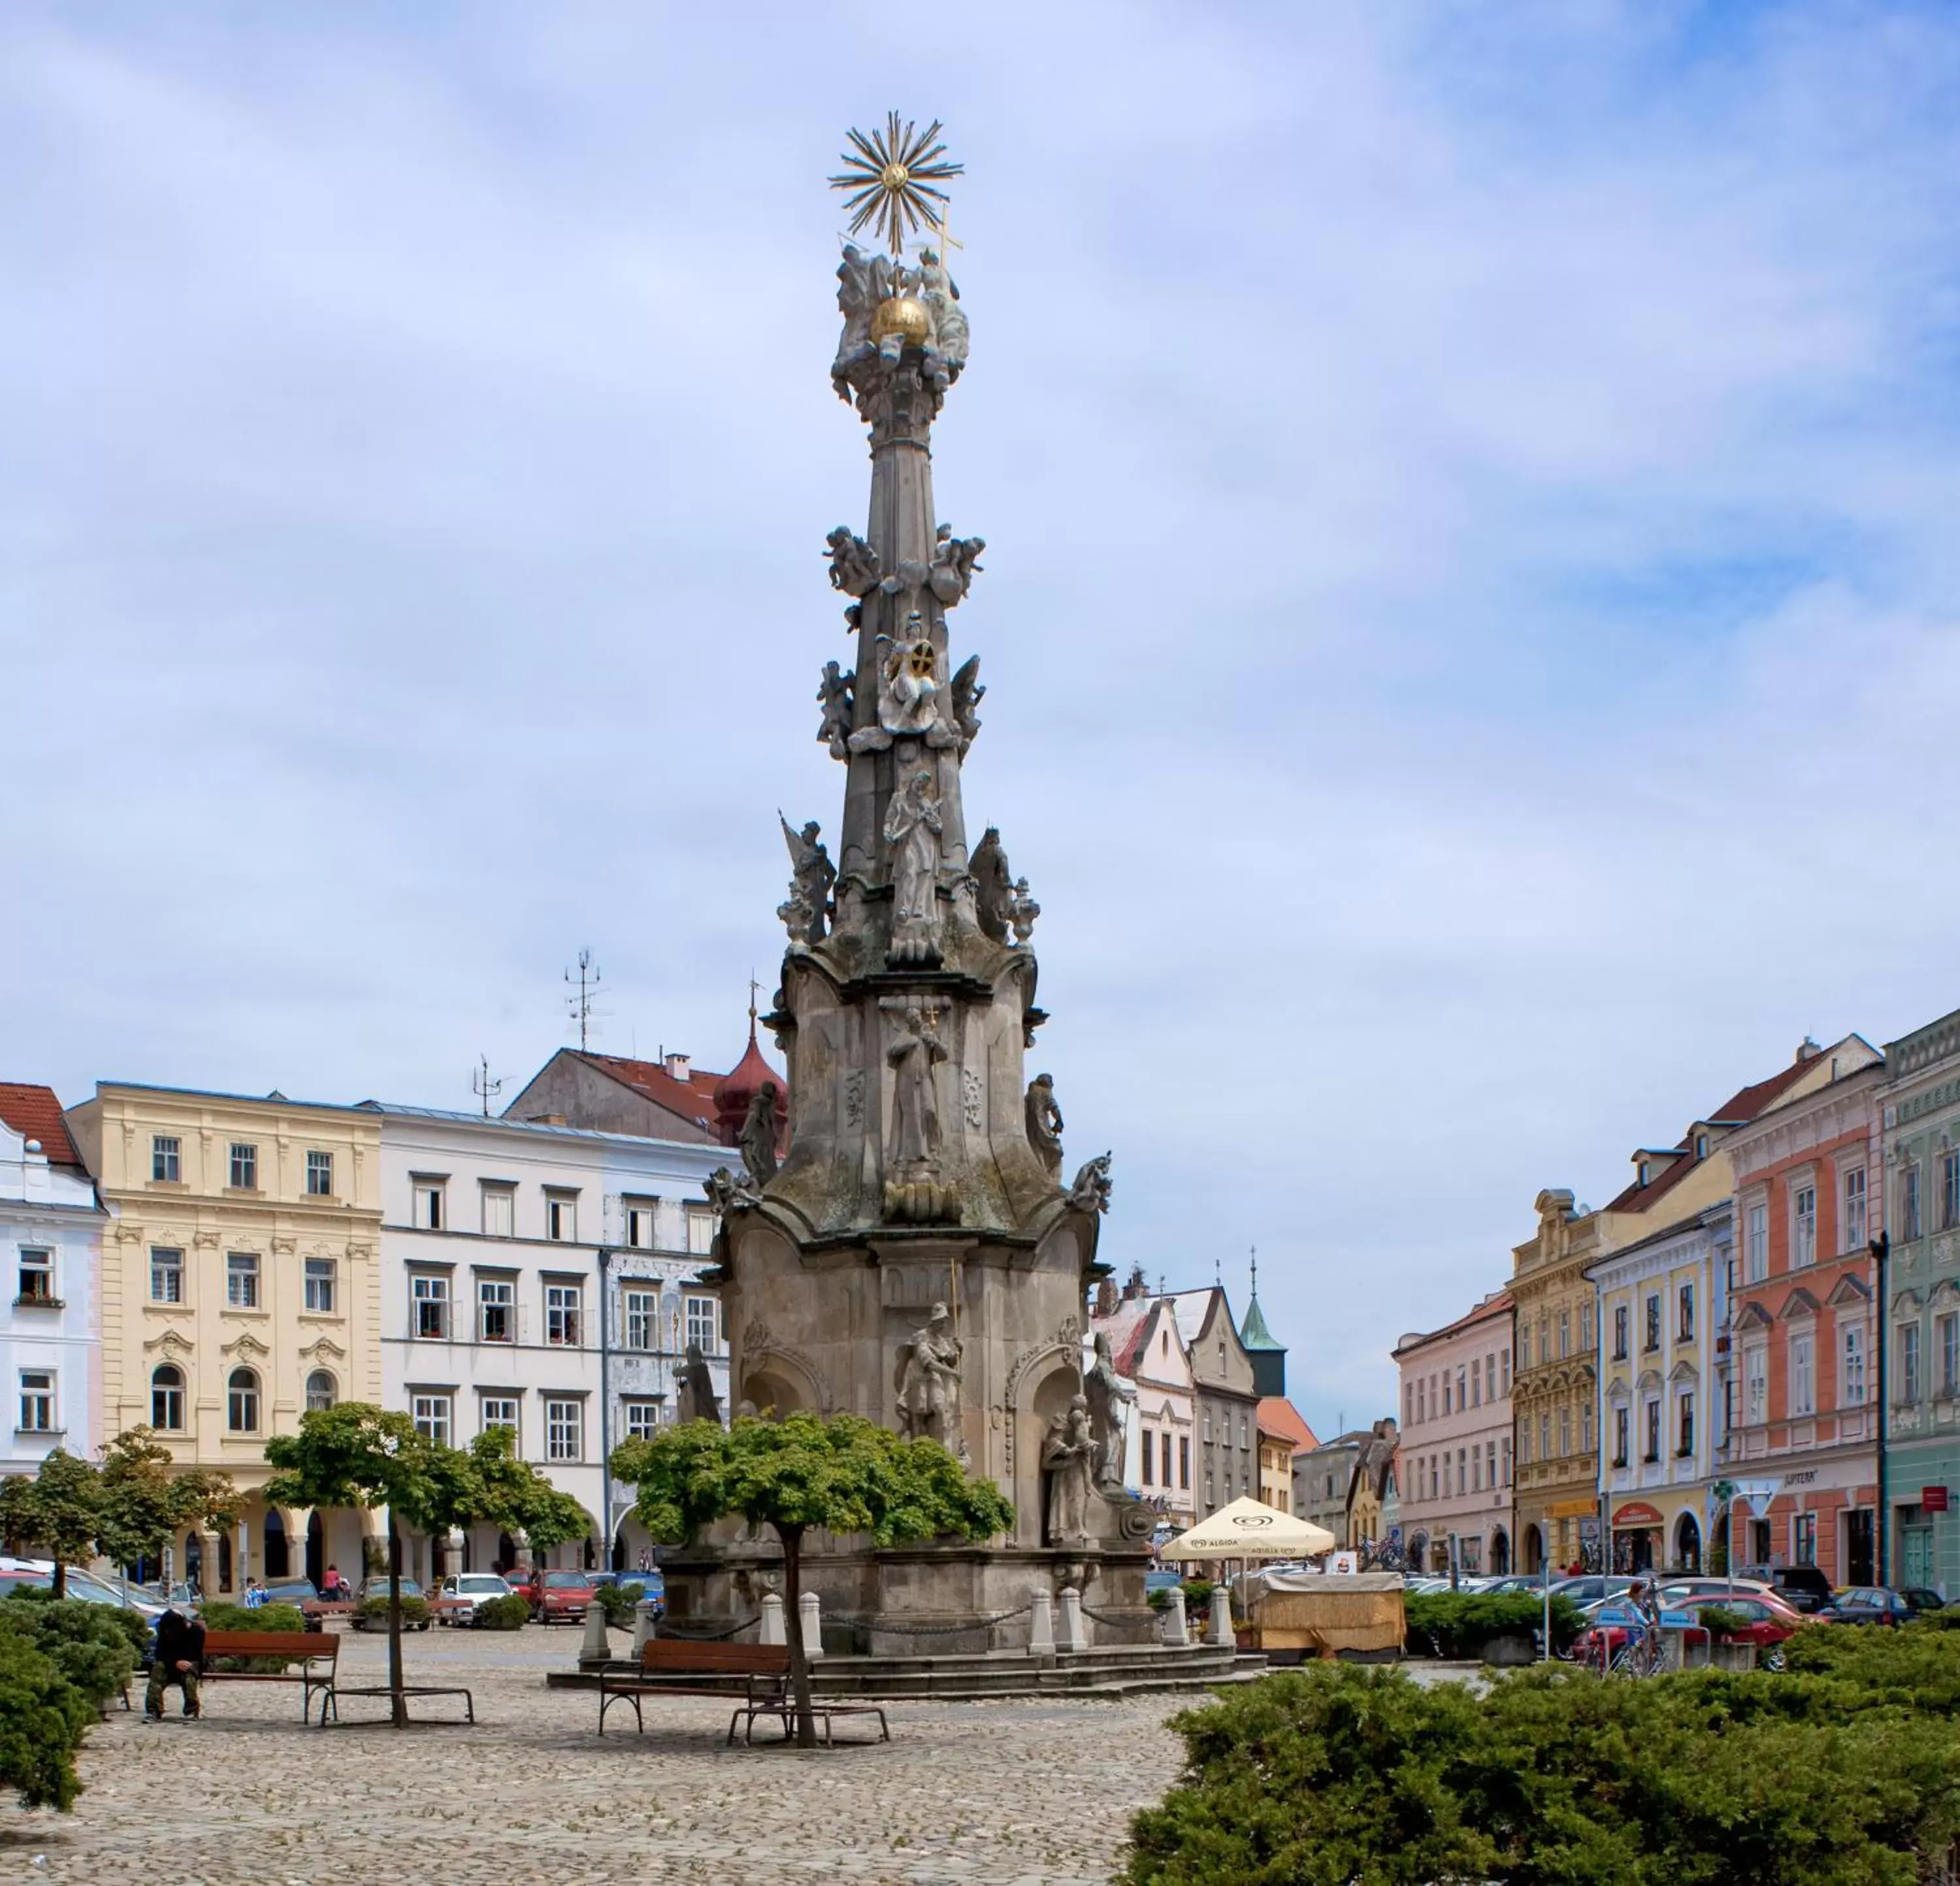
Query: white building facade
[51, 1229]
[544, 1278]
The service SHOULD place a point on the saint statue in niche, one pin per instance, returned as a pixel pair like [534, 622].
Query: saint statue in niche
[1067, 1457]
[928, 1384]
[913, 1056]
[913, 825]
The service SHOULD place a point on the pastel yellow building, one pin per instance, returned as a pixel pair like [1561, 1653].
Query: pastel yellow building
[241, 1285]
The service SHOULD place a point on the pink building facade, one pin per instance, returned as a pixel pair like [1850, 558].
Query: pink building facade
[1456, 1478]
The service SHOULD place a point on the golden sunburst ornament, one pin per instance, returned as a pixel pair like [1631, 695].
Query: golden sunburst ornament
[892, 178]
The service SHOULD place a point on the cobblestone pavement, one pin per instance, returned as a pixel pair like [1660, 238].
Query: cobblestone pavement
[1034, 1793]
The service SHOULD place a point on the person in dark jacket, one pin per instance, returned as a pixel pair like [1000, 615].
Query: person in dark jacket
[178, 1658]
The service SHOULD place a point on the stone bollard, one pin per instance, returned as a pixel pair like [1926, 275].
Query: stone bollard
[772, 1621]
[1041, 1625]
[1073, 1635]
[812, 1626]
[1221, 1633]
[1175, 1632]
[597, 1647]
[644, 1620]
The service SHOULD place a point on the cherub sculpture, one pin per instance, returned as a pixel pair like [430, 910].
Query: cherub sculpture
[1090, 1192]
[835, 694]
[954, 561]
[853, 564]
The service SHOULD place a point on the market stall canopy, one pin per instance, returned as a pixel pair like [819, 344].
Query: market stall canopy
[1247, 1529]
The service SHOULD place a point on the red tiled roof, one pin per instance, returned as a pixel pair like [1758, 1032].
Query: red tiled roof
[1126, 1329]
[34, 1113]
[1496, 1304]
[1278, 1417]
[692, 1099]
[1741, 1106]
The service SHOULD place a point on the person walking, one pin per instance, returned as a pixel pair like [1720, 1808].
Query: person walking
[178, 1660]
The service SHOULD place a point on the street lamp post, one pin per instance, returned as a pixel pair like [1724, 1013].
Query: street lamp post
[1882, 1246]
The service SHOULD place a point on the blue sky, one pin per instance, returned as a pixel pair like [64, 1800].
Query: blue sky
[1469, 604]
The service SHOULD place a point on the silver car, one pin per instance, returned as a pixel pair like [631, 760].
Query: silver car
[470, 1589]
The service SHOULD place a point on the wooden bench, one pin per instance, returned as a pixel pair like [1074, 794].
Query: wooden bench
[316, 1652]
[667, 1663]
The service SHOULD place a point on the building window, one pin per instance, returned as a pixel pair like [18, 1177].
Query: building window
[499, 1211]
[1524, 1445]
[1701, 1145]
[561, 1217]
[38, 1401]
[640, 1223]
[1462, 1393]
[1585, 1428]
[1652, 1409]
[1853, 1238]
[701, 1324]
[1802, 1377]
[166, 1398]
[1147, 1454]
[1755, 1367]
[564, 1429]
[319, 1175]
[319, 1286]
[1544, 1437]
[166, 1276]
[1651, 1339]
[642, 1418]
[166, 1159]
[1909, 1212]
[37, 1275]
[1544, 1338]
[1620, 1322]
[1184, 1462]
[1564, 1334]
[242, 1402]
[1408, 1404]
[1803, 1232]
[1684, 1438]
[429, 1204]
[1949, 1191]
[1684, 1301]
[562, 1308]
[1166, 1456]
[496, 1310]
[321, 1392]
[241, 1279]
[244, 1173]
[1476, 1382]
[1504, 1358]
[643, 1318]
[432, 1415]
[1504, 1454]
[1803, 1538]
[497, 1411]
[1948, 1328]
[700, 1231]
[1756, 1244]
[1446, 1402]
[1854, 1365]
[1908, 1362]
[428, 1301]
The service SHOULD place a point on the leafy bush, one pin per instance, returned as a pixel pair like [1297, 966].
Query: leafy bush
[265, 1617]
[617, 1602]
[1197, 1595]
[1459, 1624]
[42, 1719]
[95, 1647]
[503, 1613]
[1157, 1599]
[1336, 1774]
[1719, 1621]
[374, 1610]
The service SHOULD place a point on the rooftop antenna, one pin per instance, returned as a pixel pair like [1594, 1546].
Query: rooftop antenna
[579, 1006]
[1256, 1270]
[482, 1086]
[754, 990]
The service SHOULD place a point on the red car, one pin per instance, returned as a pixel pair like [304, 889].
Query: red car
[1770, 1622]
[557, 1597]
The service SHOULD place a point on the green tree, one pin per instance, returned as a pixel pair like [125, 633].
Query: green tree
[42, 1717]
[511, 1493]
[57, 1510]
[843, 1475]
[146, 1500]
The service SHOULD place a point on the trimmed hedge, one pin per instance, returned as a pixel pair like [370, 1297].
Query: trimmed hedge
[1844, 1771]
[617, 1602]
[1459, 1624]
[245, 1617]
[503, 1613]
[415, 1611]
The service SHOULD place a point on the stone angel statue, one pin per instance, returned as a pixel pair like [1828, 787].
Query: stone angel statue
[1090, 1192]
[968, 690]
[809, 906]
[836, 695]
[993, 886]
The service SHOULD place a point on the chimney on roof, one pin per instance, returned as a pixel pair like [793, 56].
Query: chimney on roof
[677, 1066]
[1807, 1050]
[1134, 1289]
[1105, 1299]
[546, 1119]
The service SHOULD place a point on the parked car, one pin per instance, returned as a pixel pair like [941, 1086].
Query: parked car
[1591, 1588]
[295, 1591]
[1803, 1587]
[1920, 1599]
[467, 1590]
[1673, 1590]
[1866, 1604]
[653, 1586]
[558, 1597]
[1771, 1624]
[378, 1588]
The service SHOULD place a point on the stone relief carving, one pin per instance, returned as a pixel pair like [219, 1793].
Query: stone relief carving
[835, 696]
[758, 1136]
[694, 1398]
[862, 281]
[1090, 1192]
[908, 707]
[941, 294]
[973, 1095]
[968, 689]
[913, 1054]
[727, 1193]
[853, 564]
[913, 827]
[810, 906]
[993, 886]
[1108, 1395]
[907, 579]
[854, 1098]
[1045, 1123]
[954, 562]
[928, 1385]
[1068, 1453]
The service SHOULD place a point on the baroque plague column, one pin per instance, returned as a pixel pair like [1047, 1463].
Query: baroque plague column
[915, 1258]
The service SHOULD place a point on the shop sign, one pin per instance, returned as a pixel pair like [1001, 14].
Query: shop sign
[1636, 1512]
[1932, 1499]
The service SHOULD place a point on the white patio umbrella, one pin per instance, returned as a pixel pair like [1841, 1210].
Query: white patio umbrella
[1247, 1529]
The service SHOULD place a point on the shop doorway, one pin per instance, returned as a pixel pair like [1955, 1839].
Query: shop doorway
[1500, 1554]
[1687, 1544]
[1860, 1560]
[1534, 1549]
